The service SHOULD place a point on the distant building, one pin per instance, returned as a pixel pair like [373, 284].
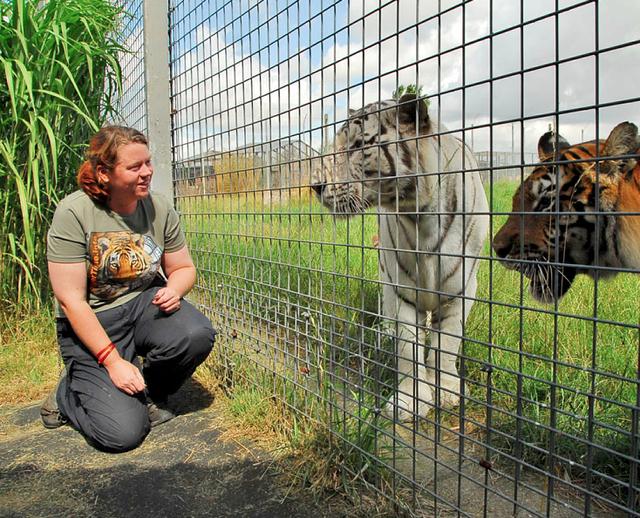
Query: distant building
[273, 169]
[505, 165]
[278, 166]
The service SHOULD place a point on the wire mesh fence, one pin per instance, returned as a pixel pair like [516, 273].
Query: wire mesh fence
[130, 105]
[397, 240]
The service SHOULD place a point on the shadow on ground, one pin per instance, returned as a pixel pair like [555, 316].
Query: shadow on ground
[182, 469]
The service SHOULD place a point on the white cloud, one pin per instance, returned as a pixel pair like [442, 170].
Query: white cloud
[235, 98]
[530, 95]
[241, 98]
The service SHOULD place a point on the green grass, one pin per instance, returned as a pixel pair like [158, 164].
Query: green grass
[293, 280]
[29, 358]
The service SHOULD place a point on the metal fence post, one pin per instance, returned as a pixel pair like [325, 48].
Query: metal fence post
[156, 69]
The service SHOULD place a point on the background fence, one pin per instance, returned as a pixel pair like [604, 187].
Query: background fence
[548, 417]
[131, 104]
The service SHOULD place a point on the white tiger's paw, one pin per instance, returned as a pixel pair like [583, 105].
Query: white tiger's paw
[448, 396]
[408, 407]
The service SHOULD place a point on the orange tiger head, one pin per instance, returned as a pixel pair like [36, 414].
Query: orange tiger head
[123, 258]
[552, 229]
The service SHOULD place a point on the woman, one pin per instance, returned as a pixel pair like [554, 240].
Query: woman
[119, 267]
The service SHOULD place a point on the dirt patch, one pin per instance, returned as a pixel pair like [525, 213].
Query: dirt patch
[182, 469]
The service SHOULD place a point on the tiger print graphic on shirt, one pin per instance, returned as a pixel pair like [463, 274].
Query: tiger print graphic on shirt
[433, 219]
[121, 262]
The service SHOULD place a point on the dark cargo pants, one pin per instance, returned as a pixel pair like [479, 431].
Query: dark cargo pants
[172, 346]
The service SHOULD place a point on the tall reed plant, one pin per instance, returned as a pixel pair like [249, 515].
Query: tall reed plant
[59, 70]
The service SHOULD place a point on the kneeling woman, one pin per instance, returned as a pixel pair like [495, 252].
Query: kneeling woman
[119, 267]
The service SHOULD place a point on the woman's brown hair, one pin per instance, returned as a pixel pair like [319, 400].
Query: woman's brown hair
[103, 151]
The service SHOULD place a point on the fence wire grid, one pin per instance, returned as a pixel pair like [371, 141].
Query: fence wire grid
[130, 107]
[345, 172]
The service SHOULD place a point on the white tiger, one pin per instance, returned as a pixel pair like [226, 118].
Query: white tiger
[433, 219]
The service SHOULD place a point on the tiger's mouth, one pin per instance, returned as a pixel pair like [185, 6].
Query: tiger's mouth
[344, 206]
[548, 282]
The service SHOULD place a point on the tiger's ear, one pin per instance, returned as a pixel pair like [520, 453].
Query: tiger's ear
[410, 107]
[103, 244]
[547, 145]
[623, 140]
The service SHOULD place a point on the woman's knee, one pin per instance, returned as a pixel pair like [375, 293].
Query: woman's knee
[201, 340]
[120, 433]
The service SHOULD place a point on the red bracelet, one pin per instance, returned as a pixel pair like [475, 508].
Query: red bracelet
[102, 355]
[104, 349]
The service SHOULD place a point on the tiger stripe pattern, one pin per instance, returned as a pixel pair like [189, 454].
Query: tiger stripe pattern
[121, 261]
[433, 220]
[582, 221]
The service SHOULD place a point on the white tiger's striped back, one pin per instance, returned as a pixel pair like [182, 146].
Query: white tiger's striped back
[448, 231]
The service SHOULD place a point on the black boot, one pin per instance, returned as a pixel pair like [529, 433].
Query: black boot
[159, 411]
[49, 411]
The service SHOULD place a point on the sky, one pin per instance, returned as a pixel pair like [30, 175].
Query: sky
[251, 71]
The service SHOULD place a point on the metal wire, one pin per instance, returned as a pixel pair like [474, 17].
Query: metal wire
[131, 106]
[547, 422]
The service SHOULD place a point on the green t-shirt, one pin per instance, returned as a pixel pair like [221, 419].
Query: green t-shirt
[122, 253]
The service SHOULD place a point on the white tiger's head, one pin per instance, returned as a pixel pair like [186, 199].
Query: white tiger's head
[375, 158]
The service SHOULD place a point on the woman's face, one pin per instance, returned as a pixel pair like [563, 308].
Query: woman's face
[129, 181]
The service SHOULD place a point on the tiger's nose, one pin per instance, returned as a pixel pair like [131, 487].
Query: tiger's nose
[501, 249]
[502, 243]
[318, 187]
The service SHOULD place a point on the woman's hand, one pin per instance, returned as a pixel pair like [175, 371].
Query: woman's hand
[125, 375]
[181, 275]
[167, 300]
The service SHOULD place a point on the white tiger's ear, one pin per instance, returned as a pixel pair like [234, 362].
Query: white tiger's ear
[623, 140]
[352, 112]
[549, 147]
[103, 244]
[413, 110]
